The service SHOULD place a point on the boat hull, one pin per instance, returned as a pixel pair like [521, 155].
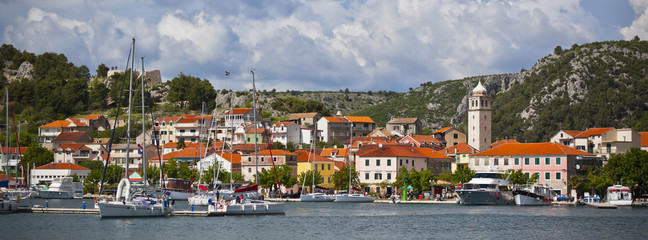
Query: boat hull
[622, 203]
[316, 198]
[524, 200]
[353, 198]
[481, 197]
[248, 208]
[56, 194]
[176, 195]
[8, 206]
[130, 209]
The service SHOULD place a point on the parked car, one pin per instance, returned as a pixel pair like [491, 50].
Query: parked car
[563, 197]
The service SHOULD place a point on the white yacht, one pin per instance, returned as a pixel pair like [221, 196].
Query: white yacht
[353, 198]
[207, 198]
[619, 195]
[486, 188]
[246, 207]
[533, 195]
[63, 188]
[317, 197]
[127, 204]
[7, 204]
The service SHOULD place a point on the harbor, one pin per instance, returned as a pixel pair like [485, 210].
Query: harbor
[329, 220]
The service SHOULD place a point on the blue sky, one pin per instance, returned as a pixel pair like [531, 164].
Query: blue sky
[318, 44]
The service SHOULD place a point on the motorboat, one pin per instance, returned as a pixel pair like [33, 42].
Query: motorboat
[619, 195]
[7, 204]
[63, 188]
[317, 197]
[353, 198]
[139, 204]
[486, 188]
[533, 195]
[207, 198]
[246, 207]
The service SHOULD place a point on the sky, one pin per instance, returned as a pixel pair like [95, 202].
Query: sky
[318, 45]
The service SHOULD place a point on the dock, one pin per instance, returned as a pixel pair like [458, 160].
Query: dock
[189, 213]
[65, 210]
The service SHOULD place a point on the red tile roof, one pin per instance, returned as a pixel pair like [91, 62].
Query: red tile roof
[226, 156]
[77, 122]
[188, 119]
[337, 151]
[239, 110]
[336, 119]
[305, 156]
[167, 119]
[297, 116]
[503, 141]
[360, 119]
[275, 152]
[403, 120]
[258, 130]
[443, 129]
[73, 146]
[69, 136]
[430, 153]
[247, 147]
[593, 132]
[93, 116]
[525, 149]
[644, 139]
[56, 124]
[4, 177]
[62, 166]
[285, 123]
[461, 148]
[572, 133]
[423, 139]
[13, 150]
[395, 150]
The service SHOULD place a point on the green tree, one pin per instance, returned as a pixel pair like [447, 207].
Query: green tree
[37, 155]
[462, 175]
[180, 144]
[306, 178]
[558, 50]
[93, 164]
[517, 176]
[629, 167]
[341, 179]
[102, 70]
[97, 95]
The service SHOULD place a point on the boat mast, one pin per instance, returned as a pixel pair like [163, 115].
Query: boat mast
[313, 147]
[130, 97]
[231, 136]
[256, 158]
[143, 130]
[349, 154]
[8, 133]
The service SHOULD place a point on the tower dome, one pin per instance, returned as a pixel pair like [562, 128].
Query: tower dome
[479, 89]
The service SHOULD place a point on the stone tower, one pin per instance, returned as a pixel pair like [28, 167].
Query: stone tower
[479, 118]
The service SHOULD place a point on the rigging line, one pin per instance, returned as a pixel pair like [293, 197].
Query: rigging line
[112, 136]
[156, 135]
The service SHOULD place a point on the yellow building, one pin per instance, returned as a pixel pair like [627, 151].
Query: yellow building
[325, 166]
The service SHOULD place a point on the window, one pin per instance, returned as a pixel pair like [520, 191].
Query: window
[526, 161]
[495, 161]
[506, 162]
[249, 159]
[412, 162]
[547, 161]
[477, 161]
[527, 174]
[170, 132]
[163, 123]
[401, 163]
[274, 159]
[547, 176]
[249, 170]
[170, 123]
[558, 176]
[517, 161]
[486, 162]
[329, 166]
[377, 162]
[322, 166]
[388, 176]
[315, 167]
[366, 175]
[557, 161]
[456, 136]
[537, 174]
[377, 176]
[366, 162]
[388, 162]
[537, 161]
[262, 160]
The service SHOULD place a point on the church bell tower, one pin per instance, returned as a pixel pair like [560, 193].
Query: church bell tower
[479, 118]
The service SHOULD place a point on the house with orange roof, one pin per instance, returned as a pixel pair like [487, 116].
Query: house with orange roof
[404, 126]
[74, 153]
[644, 140]
[266, 159]
[51, 130]
[334, 128]
[245, 148]
[227, 161]
[565, 137]
[362, 125]
[382, 163]
[304, 119]
[12, 159]
[451, 136]
[606, 142]
[251, 136]
[380, 132]
[164, 128]
[239, 116]
[71, 137]
[335, 154]
[191, 128]
[97, 122]
[309, 161]
[285, 132]
[553, 162]
[427, 141]
[50, 171]
[461, 154]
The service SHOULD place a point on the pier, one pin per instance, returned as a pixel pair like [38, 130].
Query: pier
[65, 210]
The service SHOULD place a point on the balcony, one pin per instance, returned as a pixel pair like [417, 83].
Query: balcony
[187, 134]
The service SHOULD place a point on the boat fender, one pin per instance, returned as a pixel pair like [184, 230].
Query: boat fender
[210, 202]
[254, 207]
[267, 207]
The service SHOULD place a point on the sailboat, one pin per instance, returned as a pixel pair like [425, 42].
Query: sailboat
[126, 202]
[349, 197]
[247, 206]
[314, 196]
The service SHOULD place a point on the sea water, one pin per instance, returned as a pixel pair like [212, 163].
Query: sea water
[343, 221]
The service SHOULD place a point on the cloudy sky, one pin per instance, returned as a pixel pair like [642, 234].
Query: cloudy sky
[318, 44]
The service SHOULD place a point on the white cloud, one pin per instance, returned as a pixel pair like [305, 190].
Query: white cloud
[639, 26]
[311, 45]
